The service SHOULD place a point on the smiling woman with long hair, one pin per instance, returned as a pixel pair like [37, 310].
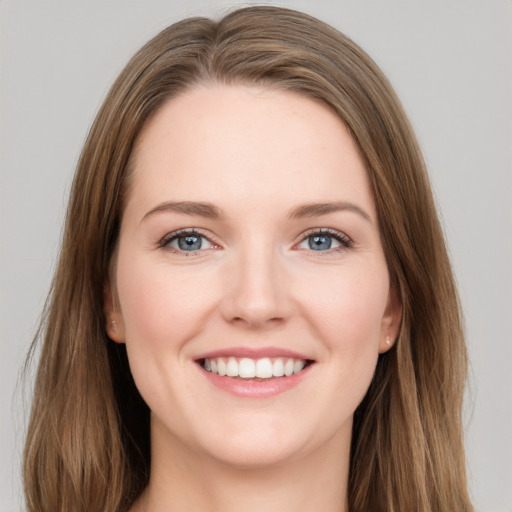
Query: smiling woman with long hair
[253, 306]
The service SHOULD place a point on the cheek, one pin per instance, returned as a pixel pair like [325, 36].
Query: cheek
[162, 311]
[347, 307]
[159, 306]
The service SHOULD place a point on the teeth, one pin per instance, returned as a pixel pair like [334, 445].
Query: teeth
[298, 366]
[288, 367]
[264, 368]
[247, 368]
[278, 368]
[232, 367]
[221, 367]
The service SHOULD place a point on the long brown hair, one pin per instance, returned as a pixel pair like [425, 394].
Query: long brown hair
[88, 447]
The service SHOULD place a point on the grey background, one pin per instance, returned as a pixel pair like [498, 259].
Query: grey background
[450, 62]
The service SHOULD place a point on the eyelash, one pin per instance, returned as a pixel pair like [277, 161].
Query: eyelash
[170, 237]
[344, 240]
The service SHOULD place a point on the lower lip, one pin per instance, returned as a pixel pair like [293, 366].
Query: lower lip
[256, 388]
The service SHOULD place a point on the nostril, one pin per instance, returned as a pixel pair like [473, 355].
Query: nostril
[257, 322]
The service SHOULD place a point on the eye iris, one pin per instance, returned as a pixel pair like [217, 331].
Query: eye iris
[320, 242]
[189, 243]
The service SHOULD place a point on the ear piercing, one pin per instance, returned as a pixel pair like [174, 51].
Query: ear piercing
[113, 325]
[388, 340]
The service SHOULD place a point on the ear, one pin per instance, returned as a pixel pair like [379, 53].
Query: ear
[113, 317]
[390, 321]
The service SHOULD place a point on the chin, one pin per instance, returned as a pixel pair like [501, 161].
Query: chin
[249, 456]
[259, 445]
[246, 441]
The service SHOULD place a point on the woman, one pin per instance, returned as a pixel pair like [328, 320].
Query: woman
[253, 306]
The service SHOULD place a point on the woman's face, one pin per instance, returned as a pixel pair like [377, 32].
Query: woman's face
[250, 246]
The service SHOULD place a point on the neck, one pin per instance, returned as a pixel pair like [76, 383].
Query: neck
[183, 480]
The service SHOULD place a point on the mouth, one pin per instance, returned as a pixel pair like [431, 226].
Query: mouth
[262, 369]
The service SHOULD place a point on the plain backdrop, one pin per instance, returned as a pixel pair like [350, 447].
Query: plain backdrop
[450, 62]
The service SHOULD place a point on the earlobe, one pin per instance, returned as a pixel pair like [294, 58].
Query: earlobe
[386, 344]
[114, 321]
[114, 332]
[391, 321]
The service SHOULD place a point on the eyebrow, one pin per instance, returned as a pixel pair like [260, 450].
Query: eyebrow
[198, 209]
[210, 211]
[317, 209]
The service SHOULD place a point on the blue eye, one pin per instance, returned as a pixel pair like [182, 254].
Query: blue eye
[322, 241]
[186, 241]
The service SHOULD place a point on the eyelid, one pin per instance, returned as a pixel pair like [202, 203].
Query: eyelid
[165, 240]
[345, 241]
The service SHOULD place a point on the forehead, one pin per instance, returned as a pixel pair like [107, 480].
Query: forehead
[216, 142]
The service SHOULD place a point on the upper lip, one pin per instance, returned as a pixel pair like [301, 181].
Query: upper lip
[253, 353]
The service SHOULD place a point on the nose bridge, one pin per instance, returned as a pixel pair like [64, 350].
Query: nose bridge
[258, 294]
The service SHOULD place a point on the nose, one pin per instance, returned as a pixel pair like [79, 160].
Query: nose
[257, 291]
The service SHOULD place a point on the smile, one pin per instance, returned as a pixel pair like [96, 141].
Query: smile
[256, 373]
[248, 368]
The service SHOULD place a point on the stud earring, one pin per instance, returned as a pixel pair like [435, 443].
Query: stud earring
[388, 340]
[113, 325]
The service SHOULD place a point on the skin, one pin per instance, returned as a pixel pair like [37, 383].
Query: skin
[256, 154]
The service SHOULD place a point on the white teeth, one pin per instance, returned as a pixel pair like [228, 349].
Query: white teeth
[246, 368]
[278, 368]
[221, 367]
[298, 366]
[288, 367]
[264, 368]
[232, 367]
